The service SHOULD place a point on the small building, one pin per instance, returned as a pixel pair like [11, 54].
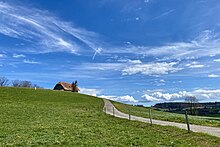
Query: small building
[63, 86]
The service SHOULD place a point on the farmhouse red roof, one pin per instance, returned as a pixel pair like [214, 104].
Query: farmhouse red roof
[67, 86]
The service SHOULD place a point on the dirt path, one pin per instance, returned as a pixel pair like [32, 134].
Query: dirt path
[108, 108]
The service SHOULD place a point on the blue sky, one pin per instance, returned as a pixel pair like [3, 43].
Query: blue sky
[133, 51]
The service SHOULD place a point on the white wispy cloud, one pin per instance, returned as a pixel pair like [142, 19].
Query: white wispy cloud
[171, 50]
[89, 91]
[151, 69]
[206, 44]
[46, 32]
[205, 36]
[18, 56]
[135, 61]
[132, 67]
[164, 14]
[146, 1]
[126, 98]
[31, 62]
[130, 61]
[201, 94]
[213, 76]
[162, 81]
[103, 66]
[194, 65]
[197, 66]
[136, 67]
[2, 55]
[149, 98]
[216, 60]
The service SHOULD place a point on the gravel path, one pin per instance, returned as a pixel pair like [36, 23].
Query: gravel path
[109, 108]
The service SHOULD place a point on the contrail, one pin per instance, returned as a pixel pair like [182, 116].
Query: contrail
[98, 50]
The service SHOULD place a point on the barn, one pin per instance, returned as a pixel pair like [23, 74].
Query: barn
[63, 86]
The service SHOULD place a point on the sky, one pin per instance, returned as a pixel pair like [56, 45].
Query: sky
[131, 51]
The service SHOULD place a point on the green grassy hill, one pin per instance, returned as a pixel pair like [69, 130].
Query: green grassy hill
[167, 116]
[54, 118]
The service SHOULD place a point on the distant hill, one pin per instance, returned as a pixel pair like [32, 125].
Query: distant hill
[207, 109]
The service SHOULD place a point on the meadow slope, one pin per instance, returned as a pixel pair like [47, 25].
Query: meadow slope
[51, 118]
[167, 116]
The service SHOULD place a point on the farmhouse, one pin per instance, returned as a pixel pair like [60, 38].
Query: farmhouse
[63, 86]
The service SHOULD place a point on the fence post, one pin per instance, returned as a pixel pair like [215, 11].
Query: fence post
[187, 122]
[113, 111]
[150, 116]
[129, 115]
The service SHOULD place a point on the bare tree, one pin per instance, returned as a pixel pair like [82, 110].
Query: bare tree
[4, 81]
[26, 84]
[192, 100]
[16, 83]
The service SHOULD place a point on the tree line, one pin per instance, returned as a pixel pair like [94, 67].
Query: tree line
[17, 83]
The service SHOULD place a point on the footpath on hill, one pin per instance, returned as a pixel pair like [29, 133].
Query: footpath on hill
[109, 108]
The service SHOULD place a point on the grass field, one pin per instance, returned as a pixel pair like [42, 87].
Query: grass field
[53, 118]
[167, 116]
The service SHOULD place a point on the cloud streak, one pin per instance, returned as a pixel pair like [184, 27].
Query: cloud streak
[30, 62]
[151, 69]
[2, 55]
[18, 56]
[213, 76]
[194, 65]
[44, 31]
[164, 14]
[206, 44]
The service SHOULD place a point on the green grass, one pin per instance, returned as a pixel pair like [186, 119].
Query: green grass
[54, 118]
[167, 116]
